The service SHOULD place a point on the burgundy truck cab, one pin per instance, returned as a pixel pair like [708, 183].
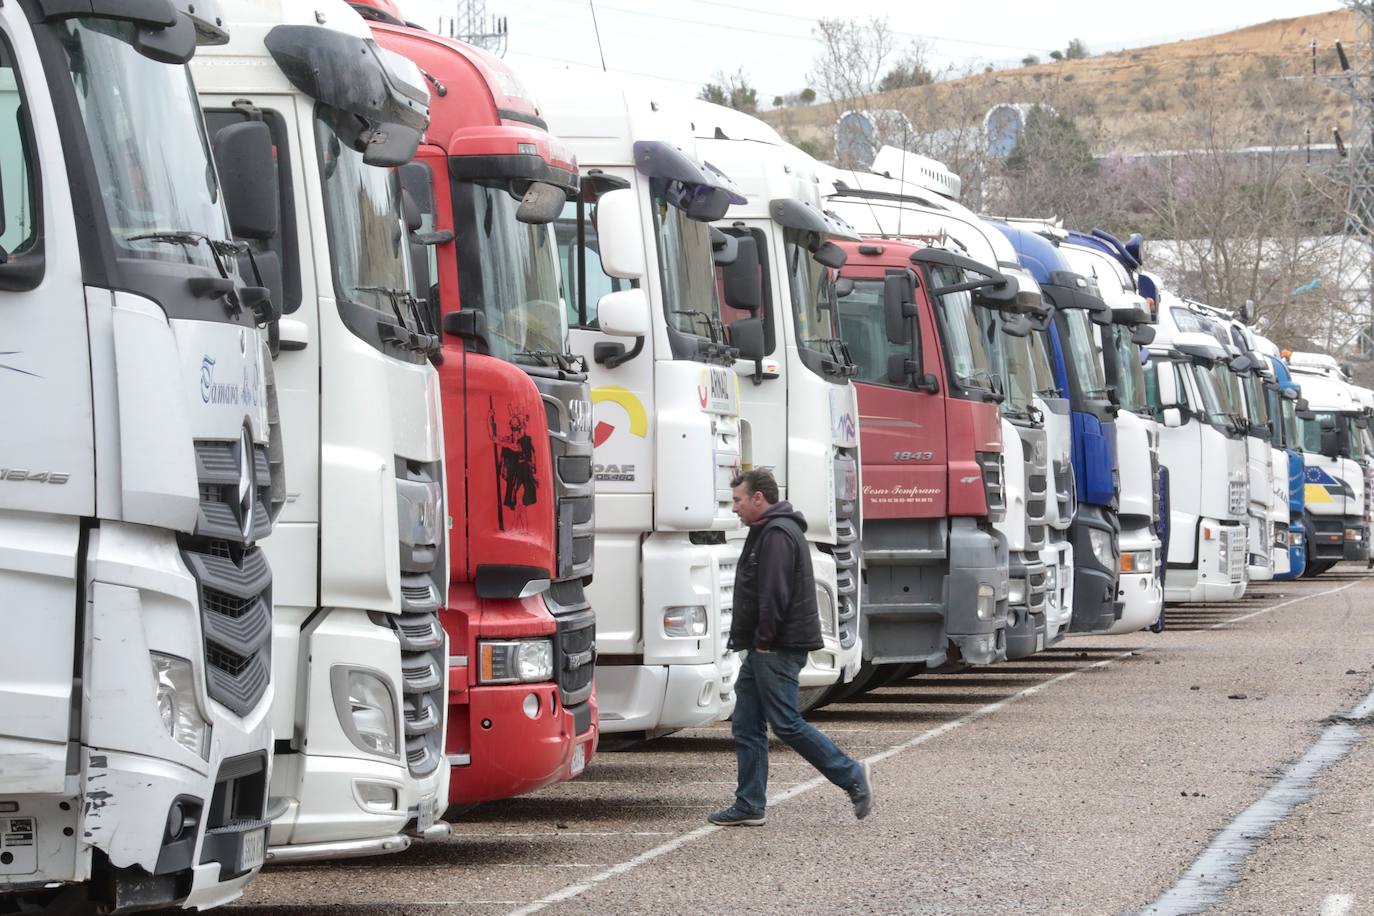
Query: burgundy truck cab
[517, 417]
[931, 451]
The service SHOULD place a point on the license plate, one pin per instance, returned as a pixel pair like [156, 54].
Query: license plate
[429, 813]
[251, 853]
[579, 759]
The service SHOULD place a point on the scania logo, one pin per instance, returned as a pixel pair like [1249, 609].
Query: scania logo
[248, 487]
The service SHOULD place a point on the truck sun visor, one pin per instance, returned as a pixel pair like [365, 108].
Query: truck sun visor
[795, 214]
[355, 76]
[698, 189]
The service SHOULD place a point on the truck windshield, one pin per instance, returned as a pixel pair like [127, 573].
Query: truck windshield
[147, 141]
[968, 358]
[1130, 380]
[1085, 351]
[1213, 408]
[1020, 383]
[1256, 406]
[509, 270]
[815, 310]
[687, 271]
[865, 331]
[1045, 384]
[368, 247]
[1232, 394]
[1354, 437]
[1291, 437]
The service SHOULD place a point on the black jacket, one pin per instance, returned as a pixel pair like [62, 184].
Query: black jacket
[775, 588]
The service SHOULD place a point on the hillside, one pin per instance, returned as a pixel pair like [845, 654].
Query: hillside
[1132, 97]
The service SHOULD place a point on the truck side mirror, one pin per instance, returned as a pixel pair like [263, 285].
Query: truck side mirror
[1016, 325]
[747, 336]
[724, 248]
[900, 368]
[843, 285]
[541, 204]
[741, 278]
[1171, 417]
[1143, 335]
[1330, 442]
[1169, 395]
[617, 231]
[411, 211]
[898, 309]
[243, 156]
[828, 254]
[624, 313]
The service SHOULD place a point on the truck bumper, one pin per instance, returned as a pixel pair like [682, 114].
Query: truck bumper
[1094, 582]
[657, 697]
[826, 666]
[1336, 537]
[1297, 552]
[1026, 607]
[1058, 559]
[508, 752]
[976, 593]
[1140, 594]
[1356, 547]
[1219, 574]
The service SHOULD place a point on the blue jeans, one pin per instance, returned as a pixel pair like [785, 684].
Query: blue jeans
[767, 694]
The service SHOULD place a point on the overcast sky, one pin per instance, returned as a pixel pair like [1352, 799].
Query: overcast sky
[680, 44]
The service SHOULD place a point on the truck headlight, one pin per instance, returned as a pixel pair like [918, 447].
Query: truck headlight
[686, 620]
[366, 708]
[825, 609]
[517, 661]
[1138, 561]
[1352, 534]
[986, 602]
[1295, 538]
[1101, 544]
[176, 703]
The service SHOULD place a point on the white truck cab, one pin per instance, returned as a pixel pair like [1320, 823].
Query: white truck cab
[358, 651]
[137, 478]
[644, 313]
[1204, 449]
[798, 405]
[1140, 587]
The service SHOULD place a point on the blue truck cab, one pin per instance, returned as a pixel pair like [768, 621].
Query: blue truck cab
[1076, 351]
[1284, 434]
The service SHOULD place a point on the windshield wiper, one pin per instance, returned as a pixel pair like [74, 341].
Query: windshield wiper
[710, 321]
[422, 339]
[839, 352]
[568, 362]
[219, 250]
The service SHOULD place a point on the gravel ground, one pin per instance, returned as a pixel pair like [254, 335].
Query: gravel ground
[1091, 793]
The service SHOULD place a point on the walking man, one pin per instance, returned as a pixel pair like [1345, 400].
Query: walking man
[776, 625]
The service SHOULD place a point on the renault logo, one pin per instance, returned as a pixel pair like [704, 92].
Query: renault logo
[248, 487]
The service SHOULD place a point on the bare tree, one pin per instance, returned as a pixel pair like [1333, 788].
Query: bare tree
[732, 90]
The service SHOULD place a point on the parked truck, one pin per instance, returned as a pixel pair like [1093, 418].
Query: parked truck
[798, 403]
[1333, 475]
[140, 469]
[1112, 266]
[1285, 403]
[1204, 450]
[640, 293]
[518, 425]
[358, 651]
[1080, 372]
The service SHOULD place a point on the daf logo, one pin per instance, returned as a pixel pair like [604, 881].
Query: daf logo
[248, 487]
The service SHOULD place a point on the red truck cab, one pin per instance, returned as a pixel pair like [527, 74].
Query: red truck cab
[931, 451]
[517, 418]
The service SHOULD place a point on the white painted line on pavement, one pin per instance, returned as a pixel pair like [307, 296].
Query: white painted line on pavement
[1337, 904]
[685, 839]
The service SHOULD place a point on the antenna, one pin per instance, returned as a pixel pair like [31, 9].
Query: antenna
[597, 29]
[471, 24]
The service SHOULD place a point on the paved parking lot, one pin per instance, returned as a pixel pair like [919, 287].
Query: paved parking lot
[1105, 775]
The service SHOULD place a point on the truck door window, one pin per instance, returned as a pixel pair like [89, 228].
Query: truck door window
[815, 311]
[282, 246]
[865, 332]
[686, 270]
[18, 181]
[967, 359]
[584, 280]
[1130, 379]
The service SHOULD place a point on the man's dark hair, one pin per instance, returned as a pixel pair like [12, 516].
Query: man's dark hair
[759, 480]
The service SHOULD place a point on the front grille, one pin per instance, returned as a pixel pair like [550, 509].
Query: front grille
[567, 408]
[574, 644]
[847, 582]
[232, 575]
[424, 656]
[1235, 553]
[993, 487]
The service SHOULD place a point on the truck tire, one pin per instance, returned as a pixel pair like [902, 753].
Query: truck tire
[1317, 568]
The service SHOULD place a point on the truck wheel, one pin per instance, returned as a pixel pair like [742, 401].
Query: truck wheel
[1316, 569]
[863, 682]
[814, 697]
